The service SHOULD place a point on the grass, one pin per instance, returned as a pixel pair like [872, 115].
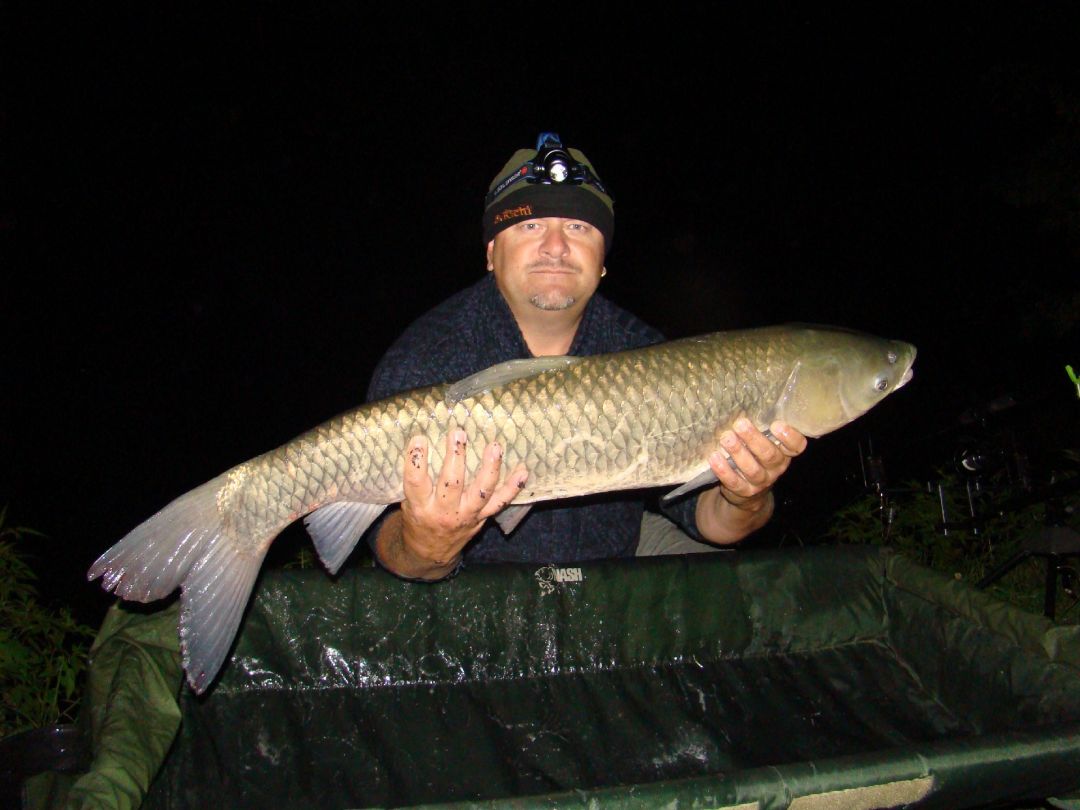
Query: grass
[43, 649]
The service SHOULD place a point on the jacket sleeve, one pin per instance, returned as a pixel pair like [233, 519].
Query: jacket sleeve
[682, 512]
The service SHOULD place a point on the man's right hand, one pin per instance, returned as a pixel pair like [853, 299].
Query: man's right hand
[424, 540]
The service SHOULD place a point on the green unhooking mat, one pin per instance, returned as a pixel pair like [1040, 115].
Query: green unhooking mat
[823, 677]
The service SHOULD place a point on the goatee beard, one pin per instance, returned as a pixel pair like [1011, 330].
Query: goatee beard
[552, 302]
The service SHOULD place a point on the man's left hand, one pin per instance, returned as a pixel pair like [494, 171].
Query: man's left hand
[742, 501]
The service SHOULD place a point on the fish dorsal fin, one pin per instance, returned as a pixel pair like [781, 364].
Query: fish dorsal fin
[503, 373]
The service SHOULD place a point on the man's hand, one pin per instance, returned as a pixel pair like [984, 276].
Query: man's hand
[742, 502]
[425, 539]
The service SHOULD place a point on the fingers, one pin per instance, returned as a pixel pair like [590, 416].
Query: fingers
[483, 497]
[483, 492]
[451, 481]
[751, 461]
[504, 494]
[453, 501]
[417, 480]
[791, 442]
[747, 456]
[439, 518]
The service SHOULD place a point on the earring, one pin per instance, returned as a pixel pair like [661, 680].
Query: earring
[603, 272]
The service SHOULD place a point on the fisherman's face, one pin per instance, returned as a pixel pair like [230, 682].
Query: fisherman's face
[550, 263]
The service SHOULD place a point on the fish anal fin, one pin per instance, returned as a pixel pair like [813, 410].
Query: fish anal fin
[503, 373]
[336, 528]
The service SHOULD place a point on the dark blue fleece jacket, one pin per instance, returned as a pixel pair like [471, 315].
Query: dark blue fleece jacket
[475, 329]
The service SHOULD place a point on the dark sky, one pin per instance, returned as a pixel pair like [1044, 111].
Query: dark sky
[212, 226]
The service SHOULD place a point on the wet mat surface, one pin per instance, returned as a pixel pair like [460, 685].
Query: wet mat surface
[716, 681]
[577, 730]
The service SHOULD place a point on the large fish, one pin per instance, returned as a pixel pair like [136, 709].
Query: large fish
[642, 418]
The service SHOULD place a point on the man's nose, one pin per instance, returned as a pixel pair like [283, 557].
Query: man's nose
[554, 243]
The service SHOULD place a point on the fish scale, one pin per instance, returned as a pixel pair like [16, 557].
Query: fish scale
[639, 418]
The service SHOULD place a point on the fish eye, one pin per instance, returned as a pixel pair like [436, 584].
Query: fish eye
[881, 383]
[891, 357]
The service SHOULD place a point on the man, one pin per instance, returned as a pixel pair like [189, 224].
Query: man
[548, 224]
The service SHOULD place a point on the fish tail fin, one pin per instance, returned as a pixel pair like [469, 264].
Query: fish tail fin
[154, 558]
[212, 602]
[185, 545]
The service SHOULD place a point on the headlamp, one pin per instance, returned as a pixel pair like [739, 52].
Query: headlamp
[552, 165]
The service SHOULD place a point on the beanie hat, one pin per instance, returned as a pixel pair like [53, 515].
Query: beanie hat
[519, 198]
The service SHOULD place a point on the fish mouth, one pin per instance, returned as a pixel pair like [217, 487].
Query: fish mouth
[912, 353]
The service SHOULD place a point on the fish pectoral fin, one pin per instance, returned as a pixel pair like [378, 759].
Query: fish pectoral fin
[212, 602]
[704, 478]
[503, 373]
[780, 407]
[509, 518]
[336, 527]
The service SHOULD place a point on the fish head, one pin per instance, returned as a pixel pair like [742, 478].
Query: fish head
[839, 376]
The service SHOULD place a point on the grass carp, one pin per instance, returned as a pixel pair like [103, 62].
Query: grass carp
[642, 418]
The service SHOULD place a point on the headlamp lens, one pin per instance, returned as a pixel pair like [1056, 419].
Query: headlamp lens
[557, 171]
[552, 163]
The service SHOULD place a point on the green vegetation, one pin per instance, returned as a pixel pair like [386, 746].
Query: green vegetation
[43, 651]
[909, 520]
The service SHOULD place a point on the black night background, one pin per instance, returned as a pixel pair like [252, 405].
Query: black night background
[212, 225]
